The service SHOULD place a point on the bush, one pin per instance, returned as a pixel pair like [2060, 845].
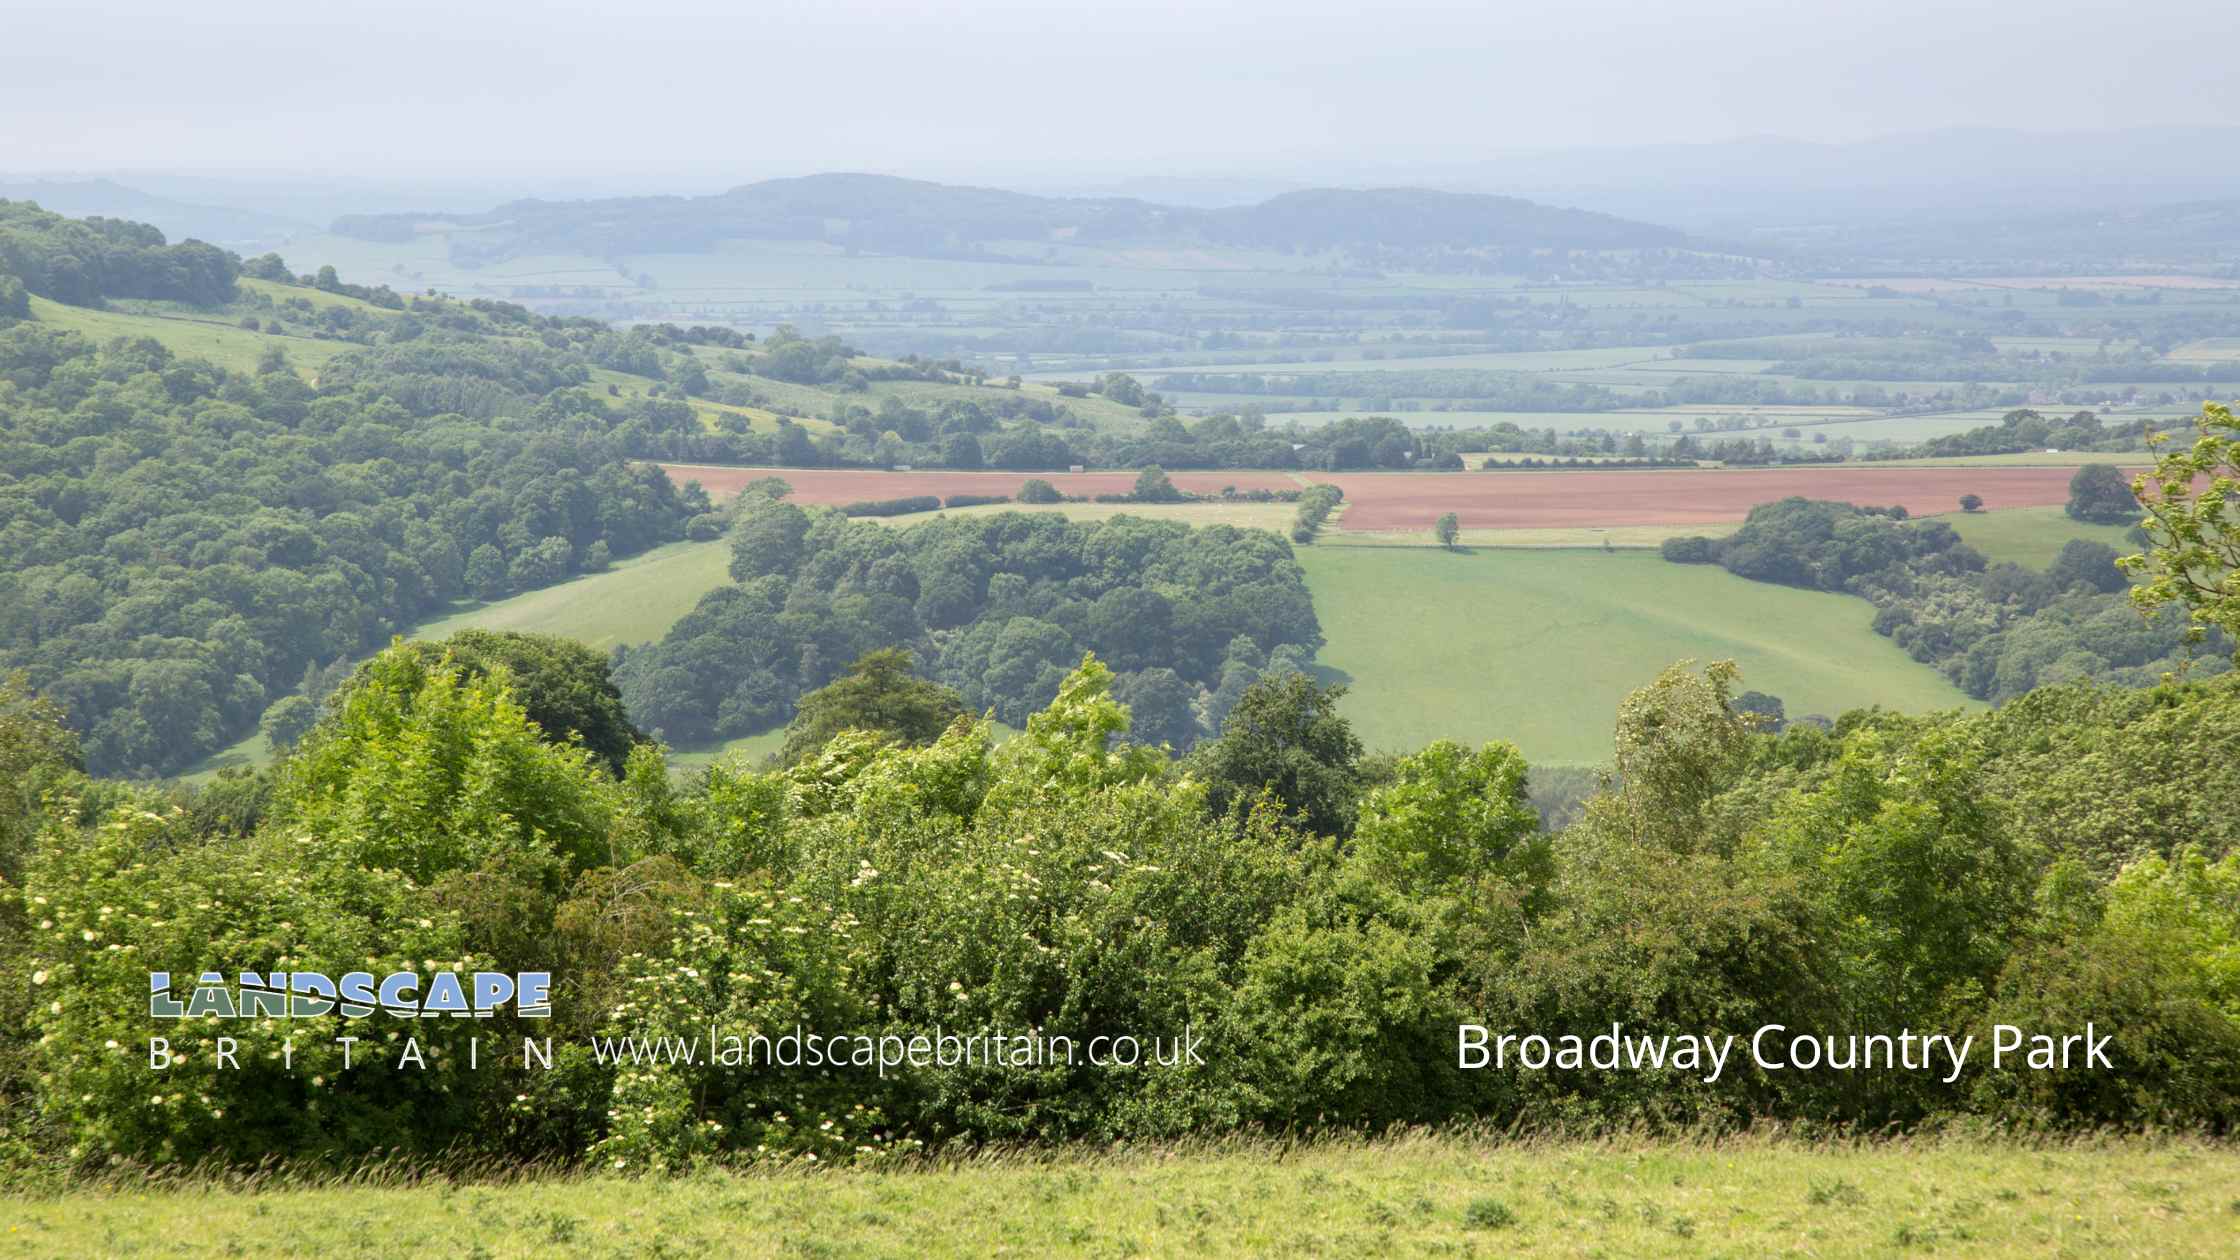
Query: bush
[974, 500]
[893, 507]
[1036, 490]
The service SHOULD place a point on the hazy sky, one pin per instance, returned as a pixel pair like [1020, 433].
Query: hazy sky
[470, 87]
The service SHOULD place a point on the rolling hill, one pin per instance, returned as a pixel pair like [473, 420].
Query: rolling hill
[915, 217]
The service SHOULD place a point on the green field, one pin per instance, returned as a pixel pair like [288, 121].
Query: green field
[2031, 536]
[199, 336]
[636, 601]
[1414, 1196]
[1540, 647]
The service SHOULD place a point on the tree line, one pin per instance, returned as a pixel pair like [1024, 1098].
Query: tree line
[999, 608]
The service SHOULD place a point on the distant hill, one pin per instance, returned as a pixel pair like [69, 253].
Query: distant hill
[245, 230]
[891, 215]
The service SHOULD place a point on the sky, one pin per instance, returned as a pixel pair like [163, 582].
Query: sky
[474, 88]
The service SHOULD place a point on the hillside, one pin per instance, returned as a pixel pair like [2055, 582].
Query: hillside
[915, 217]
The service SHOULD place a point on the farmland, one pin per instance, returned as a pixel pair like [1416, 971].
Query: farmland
[1524, 500]
[2032, 536]
[1540, 647]
[837, 486]
[1411, 1195]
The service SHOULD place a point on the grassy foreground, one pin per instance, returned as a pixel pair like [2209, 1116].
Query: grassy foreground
[1407, 1196]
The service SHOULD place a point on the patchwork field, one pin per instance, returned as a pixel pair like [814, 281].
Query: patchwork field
[1406, 1196]
[836, 486]
[1566, 499]
[1540, 647]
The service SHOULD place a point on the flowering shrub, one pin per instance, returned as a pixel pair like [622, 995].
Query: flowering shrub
[129, 898]
[753, 967]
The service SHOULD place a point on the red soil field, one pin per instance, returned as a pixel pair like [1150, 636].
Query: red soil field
[1542, 500]
[837, 486]
[1483, 500]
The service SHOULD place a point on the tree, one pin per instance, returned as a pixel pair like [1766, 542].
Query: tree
[1154, 486]
[287, 720]
[1285, 737]
[1448, 813]
[1036, 490]
[486, 572]
[1448, 528]
[1159, 707]
[879, 694]
[2098, 493]
[36, 750]
[2192, 501]
[423, 769]
[2088, 563]
[567, 689]
[1766, 711]
[1971, 503]
[767, 539]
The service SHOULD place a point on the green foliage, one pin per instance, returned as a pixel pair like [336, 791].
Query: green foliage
[2091, 565]
[1447, 813]
[1153, 485]
[1286, 739]
[998, 608]
[1036, 490]
[1919, 882]
[1447, 529]
[83, 261]
[286, 719]
[1996, 630]
[135, 895]
[428, 766]
[1318, 954]
[2152, 961]
[39, 754]
[2192, 503]
[2099, 493]
[878, 694]
[561, 685]
[193, 538]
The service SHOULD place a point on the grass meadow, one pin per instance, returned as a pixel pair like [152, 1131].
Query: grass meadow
[1410, 1195]
[636, 601]
[1539, 648]
[222, 341]
[2031, 537]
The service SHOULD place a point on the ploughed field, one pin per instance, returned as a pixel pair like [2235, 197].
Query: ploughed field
[838, 486]
[1532, 500]
[1401, 501]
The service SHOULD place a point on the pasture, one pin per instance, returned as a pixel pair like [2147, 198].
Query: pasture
[1539, 648]
[636, 601]
[1412, 1195]
[2032, 537]
[203, 336]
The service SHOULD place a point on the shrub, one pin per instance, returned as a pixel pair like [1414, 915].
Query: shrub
[1036, 490]
[892, 507]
